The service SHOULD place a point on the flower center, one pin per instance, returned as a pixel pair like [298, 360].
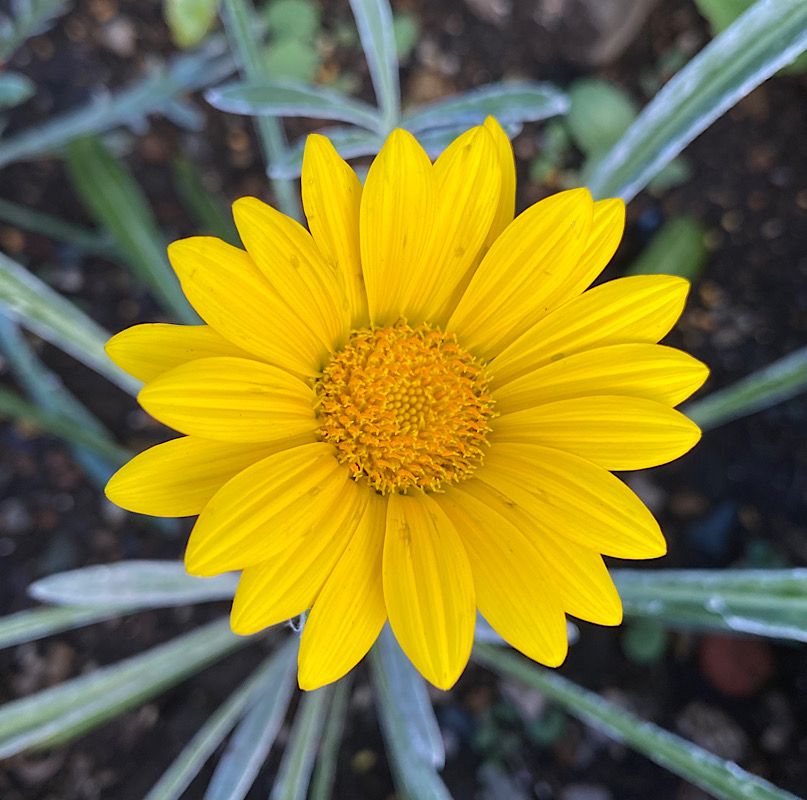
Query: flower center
[405, 408]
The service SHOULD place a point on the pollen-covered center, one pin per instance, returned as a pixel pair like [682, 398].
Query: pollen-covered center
[405, 407]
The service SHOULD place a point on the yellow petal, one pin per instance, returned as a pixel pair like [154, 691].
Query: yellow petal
[223, 284]
[428, 588]
[349, 611]
[617, 433]
[266, 508]
[468, 180]
[396, 219]
[287, 583]
[506, 208]
[652, 371]
[574, 498]
[177, 478]
[285, 253]
[524, 266]
[147, 350]
[607, 227]
[515, 586]
[231, 400]
[640, 309]
[578, 573]
[331, 198]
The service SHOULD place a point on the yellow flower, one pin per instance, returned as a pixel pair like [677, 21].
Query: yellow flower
[410, 413]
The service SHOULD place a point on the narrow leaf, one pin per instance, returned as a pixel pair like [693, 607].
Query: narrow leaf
[289, 98]
[771, 603]
[61, 713]
[762, 389]
[28, 219]
[679, 248]
[141, 584]
[762, 41]
[16, 407]
[34, 305]
[298, 759]
[512, 103]
[207, 208]
[28, 626]
[176, 779]
[239, 22]
[412, 736]
[328, 758]
[15, 89]
[256, 733]
[156, 93]
[377, 34]
[722, 779]
[117, 203]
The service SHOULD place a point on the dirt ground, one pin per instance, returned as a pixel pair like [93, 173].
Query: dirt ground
[738, 499]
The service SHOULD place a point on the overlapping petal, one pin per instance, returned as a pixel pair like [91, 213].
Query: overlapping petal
[286, 584]
[573, 498]
[268, 507]
[506, 207]
[428, 588]
[618, 433]
[514, 584]
[652, 371]
[331, 198]
[396, 221]
[146, 351]
[231, 400]
[285, 253]
[635, 310]
[349, 611]
[524, 268]
[178, 477]
[232, 296]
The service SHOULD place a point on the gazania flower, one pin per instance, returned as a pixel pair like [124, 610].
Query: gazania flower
[411, 412]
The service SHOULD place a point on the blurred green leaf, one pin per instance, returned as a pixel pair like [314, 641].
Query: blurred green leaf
[27, 18]
[290, 98]
[257, 731]
[411, 733]
[134, 583]
[377, 35]
[771, 603]
[294, 773]
[176, 779]
[599, 113]
[767, 37]
[240, 24]
[16, 407]
[61, 713]
[207, 208]
[722, 13]
[716, 776]
[678, 248]
[35, 306]
[762, 389]
[15, 89]
[37, 623]
[156, 93]
[328, 758]
[511, 103]
[678, 171]
[117, 203]
[30, 219]
[406, 29]
[288, 59]
[189, 20]
[644, 640]
[296, 20]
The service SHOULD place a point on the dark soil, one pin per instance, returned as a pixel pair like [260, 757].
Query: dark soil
[738, 499]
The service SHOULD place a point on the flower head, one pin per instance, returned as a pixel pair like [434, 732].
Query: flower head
[412, 411]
